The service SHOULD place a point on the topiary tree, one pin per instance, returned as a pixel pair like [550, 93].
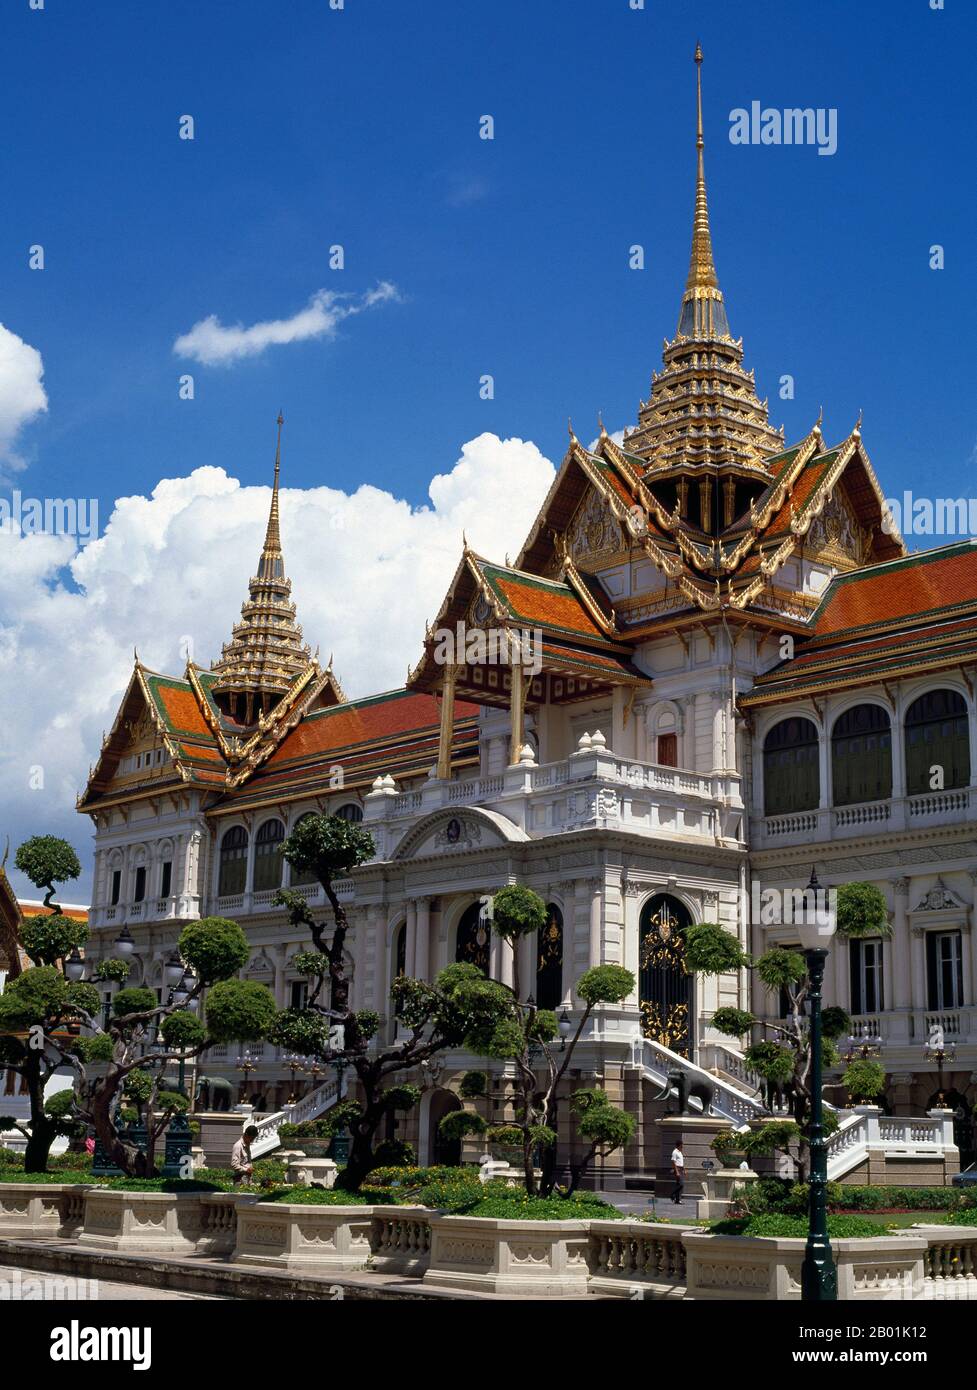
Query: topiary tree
[605, 1126]
[783, 1060]
[433, 1017]
[144, 1036]
[518, 1032]
[38, 1004]
[864, 1080]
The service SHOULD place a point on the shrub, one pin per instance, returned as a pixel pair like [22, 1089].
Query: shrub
[10, 1158]
[393, 1151]
[325, 1197]
[239, 1010]
[215, 947]
[776, 1224]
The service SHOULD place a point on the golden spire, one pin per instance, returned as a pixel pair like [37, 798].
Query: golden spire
[702, 268]
[273, 538]
[266, 651]
[703, 313]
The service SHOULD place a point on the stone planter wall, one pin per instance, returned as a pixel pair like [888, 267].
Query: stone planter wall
[155, 1221]
[30, 1210]
[949, 1262]
[519, 1258]
[636, 1259]
[768, 1269]
[290, 1235]
[400, 1239]
[218, 1221]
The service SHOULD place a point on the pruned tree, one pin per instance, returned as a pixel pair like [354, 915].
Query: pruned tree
[518, 1032]
[432, 1017]
[782, 1057]
[38, 1005]
[145, 1036]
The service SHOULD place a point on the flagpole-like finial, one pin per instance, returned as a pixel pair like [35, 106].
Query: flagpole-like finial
[699, 142]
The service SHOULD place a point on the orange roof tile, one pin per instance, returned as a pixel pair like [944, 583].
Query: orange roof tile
[900, 589]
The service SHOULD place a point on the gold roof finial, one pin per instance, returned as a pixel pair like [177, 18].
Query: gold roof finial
[570, 427]
[600, 421]
[858, 424]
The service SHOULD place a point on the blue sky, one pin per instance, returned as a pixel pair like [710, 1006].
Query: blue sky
[360, 126]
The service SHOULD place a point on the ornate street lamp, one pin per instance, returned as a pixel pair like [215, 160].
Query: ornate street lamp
[124, 944]
[819, 1278]
[172, 970]
[937, 1051]
[245, 1064]
[339, 1148]
[565, 1025]
[74, 967]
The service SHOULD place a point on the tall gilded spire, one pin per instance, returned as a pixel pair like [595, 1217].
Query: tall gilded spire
[703, 410]
[272, 561]
[703, 313]
[266, 652]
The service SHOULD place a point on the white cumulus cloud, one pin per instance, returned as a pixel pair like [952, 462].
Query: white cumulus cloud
[170, 571]
[22, 394]
[213, 343]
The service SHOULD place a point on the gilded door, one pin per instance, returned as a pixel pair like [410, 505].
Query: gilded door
[665, 983]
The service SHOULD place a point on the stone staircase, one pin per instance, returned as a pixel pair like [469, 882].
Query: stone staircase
[310, 1107]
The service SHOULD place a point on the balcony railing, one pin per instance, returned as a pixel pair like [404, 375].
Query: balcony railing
[593, 787]
[866, 817]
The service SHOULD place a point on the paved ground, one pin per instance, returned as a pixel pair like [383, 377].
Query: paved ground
[641, 1203]
[24, 1284]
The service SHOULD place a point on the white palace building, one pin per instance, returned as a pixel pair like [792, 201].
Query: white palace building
[735, 671]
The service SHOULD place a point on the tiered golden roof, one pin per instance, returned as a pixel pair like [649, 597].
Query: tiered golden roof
[266, 653]
[703, 410]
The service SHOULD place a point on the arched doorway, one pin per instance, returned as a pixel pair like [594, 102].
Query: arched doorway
[472, 941]
[439, 1149]
[665, 983]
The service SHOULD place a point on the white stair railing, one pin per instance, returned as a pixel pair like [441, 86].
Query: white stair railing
[729, 1101]
[310, 1107]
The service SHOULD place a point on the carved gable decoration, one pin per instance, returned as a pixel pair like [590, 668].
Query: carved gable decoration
[593, 530]
[835, 537]
[457, 831]
[939, 899]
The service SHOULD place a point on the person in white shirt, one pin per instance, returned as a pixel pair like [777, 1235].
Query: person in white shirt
[678, 1171]
[241, 1165]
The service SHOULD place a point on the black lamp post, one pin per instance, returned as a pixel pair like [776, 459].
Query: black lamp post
[339, 1148]
[819, 1278]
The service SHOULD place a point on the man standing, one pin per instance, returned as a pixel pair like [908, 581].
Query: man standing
[241, 1165]
[678, 1171]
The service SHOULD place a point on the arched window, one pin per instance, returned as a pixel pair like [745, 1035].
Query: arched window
[268, 855]
[299, 878]
[937, 736]
[472, 944]
[233, 862]
[791, 781]
[350, 811]
[861, 756]
[549, 960]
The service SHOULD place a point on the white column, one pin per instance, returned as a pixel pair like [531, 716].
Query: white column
[379, 1001]
[918, 944]
[422, 939]
[900, 949]
[528, 952]
[898, 754]
[517, 705]
[411, 942]
[596, 944]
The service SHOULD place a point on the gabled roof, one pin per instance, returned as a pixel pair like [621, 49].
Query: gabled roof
[395, 733]
[905, 617]
[934, 582]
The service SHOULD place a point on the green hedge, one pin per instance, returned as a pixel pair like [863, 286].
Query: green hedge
[773, 1224]
[775, 1195]
[327, 1197]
